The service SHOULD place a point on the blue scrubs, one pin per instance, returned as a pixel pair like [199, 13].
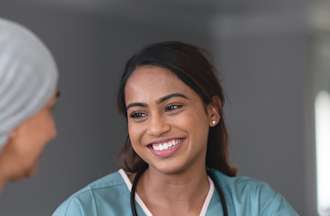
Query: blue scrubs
[110, 195]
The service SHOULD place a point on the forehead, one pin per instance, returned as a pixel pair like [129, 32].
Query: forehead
[151, 82]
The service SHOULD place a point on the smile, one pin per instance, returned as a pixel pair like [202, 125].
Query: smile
[166, 145]
[166, 149]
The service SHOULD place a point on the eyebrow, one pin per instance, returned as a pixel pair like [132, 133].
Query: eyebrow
[161, 100]
[56, 97]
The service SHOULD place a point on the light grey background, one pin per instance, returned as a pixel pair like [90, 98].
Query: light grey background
[262, 50]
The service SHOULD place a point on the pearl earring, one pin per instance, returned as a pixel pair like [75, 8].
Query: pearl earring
[213, 122]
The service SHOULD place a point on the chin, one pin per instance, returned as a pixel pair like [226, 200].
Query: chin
[169, 168]
[20, 176]
[24, 173]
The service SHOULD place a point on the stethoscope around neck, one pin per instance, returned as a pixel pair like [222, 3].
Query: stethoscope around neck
[210, 174]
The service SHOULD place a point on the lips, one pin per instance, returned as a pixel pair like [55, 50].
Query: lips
[165, 148]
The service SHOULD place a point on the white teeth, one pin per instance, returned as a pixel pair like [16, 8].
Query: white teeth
[165, 146]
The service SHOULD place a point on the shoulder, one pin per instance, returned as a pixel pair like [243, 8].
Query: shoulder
[242, 184]
[104, 191]
[245, 192]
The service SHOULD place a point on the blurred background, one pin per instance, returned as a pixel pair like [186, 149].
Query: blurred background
[273, 58]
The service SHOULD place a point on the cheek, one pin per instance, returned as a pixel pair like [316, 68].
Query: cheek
[196, 124]
[193, 120]
[51, 127]
[45, 130]
[135, 132]
[48, 126]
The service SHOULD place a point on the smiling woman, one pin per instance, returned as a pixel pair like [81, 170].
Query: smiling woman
[176, 152]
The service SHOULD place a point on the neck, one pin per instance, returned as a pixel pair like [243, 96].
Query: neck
[188, 188]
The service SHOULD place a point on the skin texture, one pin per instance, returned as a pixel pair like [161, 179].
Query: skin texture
[178, 184]
[19, 157]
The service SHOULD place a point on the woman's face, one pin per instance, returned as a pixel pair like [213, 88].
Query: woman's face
[23, 151]
[168, 123]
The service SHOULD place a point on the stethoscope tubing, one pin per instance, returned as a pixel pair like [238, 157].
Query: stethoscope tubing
[217, 186]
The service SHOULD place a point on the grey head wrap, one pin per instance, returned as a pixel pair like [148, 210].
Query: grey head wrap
[28, 76]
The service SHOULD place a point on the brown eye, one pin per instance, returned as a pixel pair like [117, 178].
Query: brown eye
[172, 107]
[137, 115]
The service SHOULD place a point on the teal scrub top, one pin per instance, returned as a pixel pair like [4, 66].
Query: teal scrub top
[110, 195]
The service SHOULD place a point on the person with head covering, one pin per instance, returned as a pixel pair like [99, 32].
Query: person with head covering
[28, 92]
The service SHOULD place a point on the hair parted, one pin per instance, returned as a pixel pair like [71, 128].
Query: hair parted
[191, 66]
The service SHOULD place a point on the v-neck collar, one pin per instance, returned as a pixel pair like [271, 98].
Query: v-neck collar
[147, 211]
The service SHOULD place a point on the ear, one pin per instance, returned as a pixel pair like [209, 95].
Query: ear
[213, 111]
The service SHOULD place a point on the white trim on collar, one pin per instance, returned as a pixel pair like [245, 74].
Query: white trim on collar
[147, 211]
[137, 197]
[208, 198]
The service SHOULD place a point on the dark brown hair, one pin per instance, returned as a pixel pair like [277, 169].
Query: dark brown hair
[189, 64]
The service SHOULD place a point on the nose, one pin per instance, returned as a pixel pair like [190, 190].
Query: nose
[158, 126]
